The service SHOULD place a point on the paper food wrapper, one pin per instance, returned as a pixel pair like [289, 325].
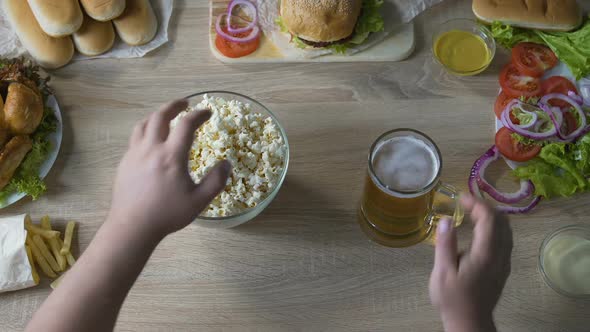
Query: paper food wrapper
[11, 47]
[15, 268]
[395, 13]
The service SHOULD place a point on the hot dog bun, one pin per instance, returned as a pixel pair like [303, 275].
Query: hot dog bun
[49, 52]
[138, 24]
[552, 15]
[94, 37]
[103, 10]
[57, 18]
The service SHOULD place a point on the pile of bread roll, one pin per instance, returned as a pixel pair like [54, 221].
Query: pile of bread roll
[49, 29]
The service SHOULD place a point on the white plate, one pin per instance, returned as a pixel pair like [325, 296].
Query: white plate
[560, 70]
[55, 139]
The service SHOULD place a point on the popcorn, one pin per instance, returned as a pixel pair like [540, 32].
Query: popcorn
[250, 141]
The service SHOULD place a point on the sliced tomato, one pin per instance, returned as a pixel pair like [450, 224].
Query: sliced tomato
[501, 102]
[558, 84]
[514, 150]
[533, 59]
[570, 122]
[516, 84]
[236, 50]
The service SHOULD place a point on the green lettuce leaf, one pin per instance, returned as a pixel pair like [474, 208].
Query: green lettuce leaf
[370, 21]
[560, 169]
[549, 181]
[581, 154]
[26, 178]
[279, 21]
[524, 141]
[509, 36]
[572, 48]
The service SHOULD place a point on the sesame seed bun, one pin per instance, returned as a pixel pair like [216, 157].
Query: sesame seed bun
[321, 20]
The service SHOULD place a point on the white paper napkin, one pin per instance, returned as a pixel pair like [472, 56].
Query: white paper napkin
[15, 269]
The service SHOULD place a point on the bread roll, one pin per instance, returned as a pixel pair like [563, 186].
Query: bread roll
[321, 20]
[23, 110]
[49, 52]
[103, 10]
[552, 15]
[138, 24]
[94, 37]
[57, 18]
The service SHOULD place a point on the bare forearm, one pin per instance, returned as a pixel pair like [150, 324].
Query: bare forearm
[92, 292]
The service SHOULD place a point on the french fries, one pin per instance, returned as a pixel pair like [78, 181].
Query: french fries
[33, 269]
[65, 249]
[46, 253]
[56, 282]
[47, 250]
[48, 234]
[40, 259]
[54, 245]
[69, 256]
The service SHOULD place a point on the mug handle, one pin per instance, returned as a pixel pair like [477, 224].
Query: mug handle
[445, 205]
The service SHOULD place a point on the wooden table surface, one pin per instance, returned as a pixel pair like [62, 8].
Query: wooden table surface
[304, 264]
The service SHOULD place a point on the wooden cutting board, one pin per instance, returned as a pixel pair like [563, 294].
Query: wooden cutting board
[396, 47]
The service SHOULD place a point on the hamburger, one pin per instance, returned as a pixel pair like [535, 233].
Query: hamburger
[334, 24]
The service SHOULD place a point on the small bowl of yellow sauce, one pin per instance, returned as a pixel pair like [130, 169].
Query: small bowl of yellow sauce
[463, 47]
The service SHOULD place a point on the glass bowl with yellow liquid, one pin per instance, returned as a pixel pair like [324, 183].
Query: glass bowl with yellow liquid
[564, 261]
[463, 47]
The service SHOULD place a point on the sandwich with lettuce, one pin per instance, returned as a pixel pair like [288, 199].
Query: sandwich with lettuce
[332, 24]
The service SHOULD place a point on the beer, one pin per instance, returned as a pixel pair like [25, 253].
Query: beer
[399, 202]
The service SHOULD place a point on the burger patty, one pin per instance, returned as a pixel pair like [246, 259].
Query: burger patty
[325, 44]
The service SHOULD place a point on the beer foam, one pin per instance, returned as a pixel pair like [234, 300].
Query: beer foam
[405, 163]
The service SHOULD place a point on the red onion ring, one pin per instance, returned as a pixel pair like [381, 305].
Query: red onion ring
[526, 187]
[556, 122]
[474, 187]
[519, 210]
[575, 97]
[533, 114]
[585, 91]
[507, 122]
[232, 5]
[252, 36]
[582, 116]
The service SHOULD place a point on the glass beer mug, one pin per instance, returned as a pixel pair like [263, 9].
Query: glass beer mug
[403, 198]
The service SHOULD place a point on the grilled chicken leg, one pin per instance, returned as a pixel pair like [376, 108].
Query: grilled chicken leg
[11, 157]
[23, 110]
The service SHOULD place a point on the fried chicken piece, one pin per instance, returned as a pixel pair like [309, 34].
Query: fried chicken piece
[23, 110]
[15, 72]
[4, 133]
[20, 78]
[12, 156]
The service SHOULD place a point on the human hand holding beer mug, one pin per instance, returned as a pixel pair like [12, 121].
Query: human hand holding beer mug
[466, 287]
[404, 198]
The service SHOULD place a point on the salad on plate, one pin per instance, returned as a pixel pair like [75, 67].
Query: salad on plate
[543, 131]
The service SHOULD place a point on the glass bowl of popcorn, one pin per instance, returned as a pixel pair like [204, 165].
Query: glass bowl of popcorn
[247, 134]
